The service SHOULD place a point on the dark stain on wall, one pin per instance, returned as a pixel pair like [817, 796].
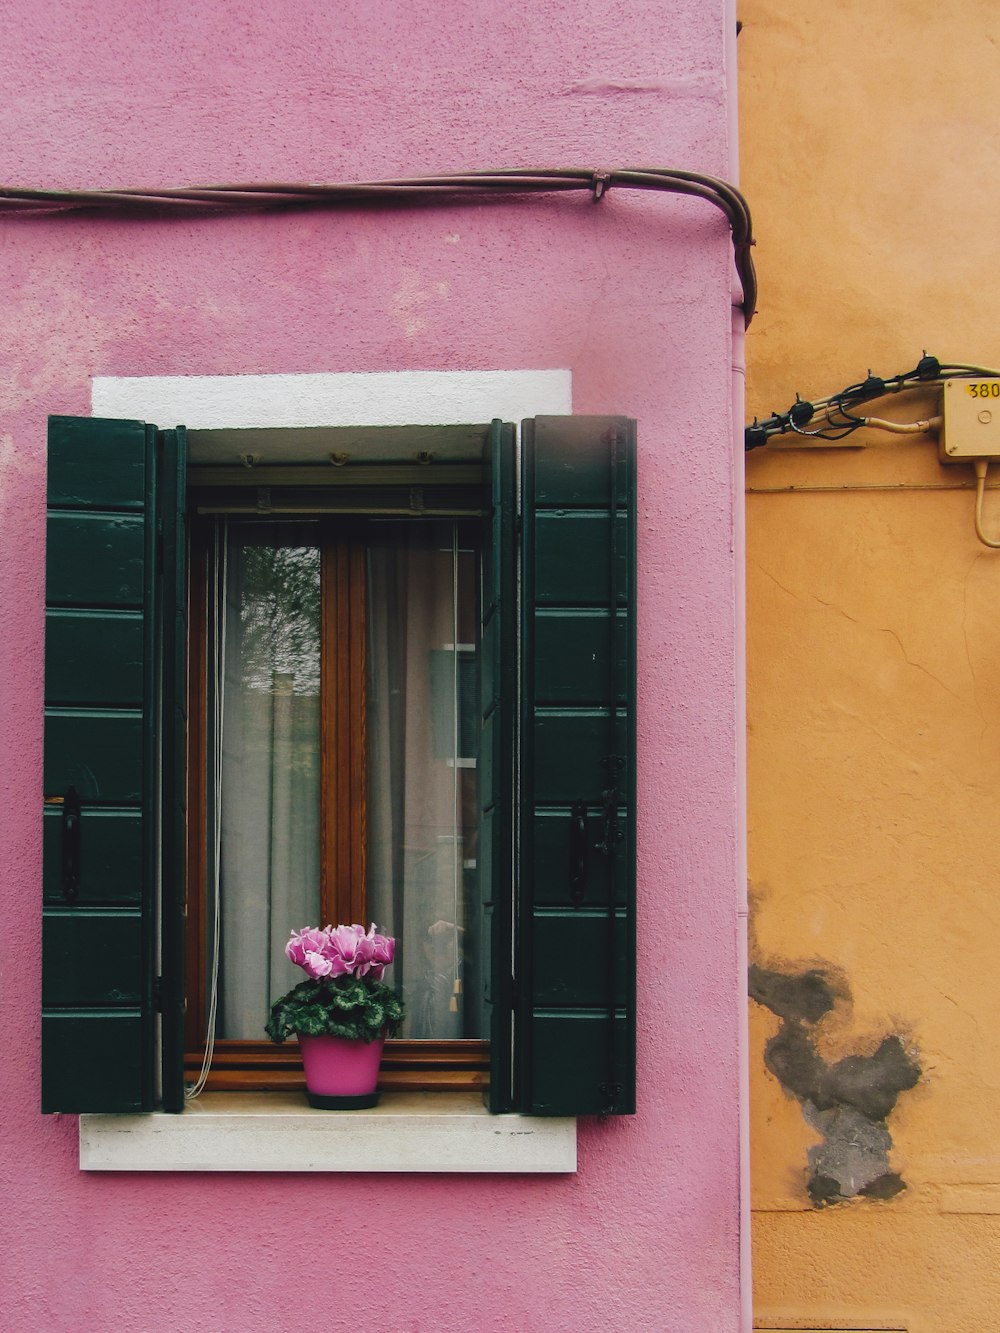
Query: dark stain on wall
[846, 1101]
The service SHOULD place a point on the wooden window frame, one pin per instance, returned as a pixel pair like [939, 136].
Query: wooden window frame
[261, 1065]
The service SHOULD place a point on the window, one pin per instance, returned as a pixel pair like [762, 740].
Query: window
[333, 689]
[548, 911]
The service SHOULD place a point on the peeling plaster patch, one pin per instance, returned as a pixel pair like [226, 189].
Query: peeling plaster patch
[846, 1101]
[807, 996]
[852, 1158]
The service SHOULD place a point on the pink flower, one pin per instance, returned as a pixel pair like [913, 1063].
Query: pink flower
[339, 966]
[337, 951]
[383, 948]
[343, 944]
[309, 940]
[316, 965]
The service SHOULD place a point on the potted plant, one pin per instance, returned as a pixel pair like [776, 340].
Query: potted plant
[342, 1014]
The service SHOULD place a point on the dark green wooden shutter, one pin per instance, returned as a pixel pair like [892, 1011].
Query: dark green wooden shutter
[495, 765]
[103, 684]
[575, 1032]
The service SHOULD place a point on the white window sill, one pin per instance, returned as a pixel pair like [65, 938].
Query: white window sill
[277, 1131]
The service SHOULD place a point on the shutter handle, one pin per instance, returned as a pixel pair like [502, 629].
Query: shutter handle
[577, 851]
[71, 845]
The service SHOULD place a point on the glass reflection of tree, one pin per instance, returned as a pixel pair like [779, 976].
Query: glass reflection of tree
[280, 617]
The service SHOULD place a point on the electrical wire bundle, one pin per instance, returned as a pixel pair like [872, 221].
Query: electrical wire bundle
[837, 415]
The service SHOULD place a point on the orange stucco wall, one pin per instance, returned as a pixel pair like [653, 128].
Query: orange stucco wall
[870, 151]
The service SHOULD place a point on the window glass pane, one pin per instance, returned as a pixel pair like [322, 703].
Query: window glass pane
[266, 650]
[422, 735]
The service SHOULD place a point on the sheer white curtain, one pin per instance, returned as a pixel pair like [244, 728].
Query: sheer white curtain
[421, 766]
[269, 863]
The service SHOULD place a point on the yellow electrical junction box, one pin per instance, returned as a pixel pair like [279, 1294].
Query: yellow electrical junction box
[971, 428]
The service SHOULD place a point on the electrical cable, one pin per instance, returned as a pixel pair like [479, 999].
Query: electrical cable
[982, 466]
[443, 189]
[963, 370]
[824, 434]
[904, 427]
[219, 672]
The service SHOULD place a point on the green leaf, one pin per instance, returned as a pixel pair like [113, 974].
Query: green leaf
[349, 1007]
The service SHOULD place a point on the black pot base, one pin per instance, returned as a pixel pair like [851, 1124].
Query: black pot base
[360, 1103]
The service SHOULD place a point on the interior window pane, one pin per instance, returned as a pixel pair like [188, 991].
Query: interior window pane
[422, 730]
[267, 653]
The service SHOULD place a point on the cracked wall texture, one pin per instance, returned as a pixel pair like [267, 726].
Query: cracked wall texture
[874, 644]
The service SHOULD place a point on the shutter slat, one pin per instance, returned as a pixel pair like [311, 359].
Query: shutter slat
[97, 751]
[576, 894]
[569, 1051]
[584, 637]
[110, 856]
[95, 559]
[571, 959]
[90, 1060]
[93, 958]
[94, 657]
[549, 853]
[568, 751]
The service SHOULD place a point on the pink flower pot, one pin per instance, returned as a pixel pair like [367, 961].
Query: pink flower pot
[341, 1074]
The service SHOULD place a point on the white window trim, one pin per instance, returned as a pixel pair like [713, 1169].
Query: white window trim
[382, 398]
[429, 1131]
[276, 1131]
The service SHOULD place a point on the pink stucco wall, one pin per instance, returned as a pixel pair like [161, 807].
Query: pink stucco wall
[633, 297]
